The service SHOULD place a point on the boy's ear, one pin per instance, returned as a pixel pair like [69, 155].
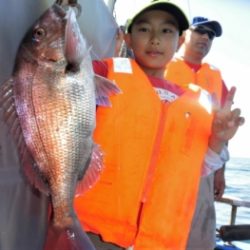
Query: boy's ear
[127, 39]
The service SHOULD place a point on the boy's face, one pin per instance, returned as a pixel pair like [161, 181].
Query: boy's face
[154, 38]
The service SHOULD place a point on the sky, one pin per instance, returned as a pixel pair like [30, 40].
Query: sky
[230, 52]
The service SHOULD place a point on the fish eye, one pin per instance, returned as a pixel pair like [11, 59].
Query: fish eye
[38, 34]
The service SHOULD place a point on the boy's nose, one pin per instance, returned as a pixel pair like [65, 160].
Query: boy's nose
[155, 40]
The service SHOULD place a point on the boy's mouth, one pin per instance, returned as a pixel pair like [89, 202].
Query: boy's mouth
[154, 53]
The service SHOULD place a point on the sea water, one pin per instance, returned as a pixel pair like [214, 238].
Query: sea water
[237, 176]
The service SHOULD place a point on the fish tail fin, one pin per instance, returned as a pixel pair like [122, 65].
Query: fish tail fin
[104, 88]
[93, 171]
[71, 238]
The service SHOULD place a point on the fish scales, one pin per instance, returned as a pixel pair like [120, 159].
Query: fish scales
[61, 116]
[66, 136]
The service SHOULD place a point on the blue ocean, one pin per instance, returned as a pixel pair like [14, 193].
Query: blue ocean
[237, 185]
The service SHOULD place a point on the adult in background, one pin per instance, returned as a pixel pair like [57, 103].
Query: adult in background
[189, 67]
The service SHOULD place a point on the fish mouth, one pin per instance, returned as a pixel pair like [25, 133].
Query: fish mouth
[75, 44]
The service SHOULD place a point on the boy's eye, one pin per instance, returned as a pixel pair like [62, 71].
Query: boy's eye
[143, 29]
[167, 30]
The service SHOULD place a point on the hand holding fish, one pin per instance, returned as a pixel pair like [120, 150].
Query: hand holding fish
[226, 123]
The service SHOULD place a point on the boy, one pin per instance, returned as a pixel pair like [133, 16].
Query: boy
[154, 131]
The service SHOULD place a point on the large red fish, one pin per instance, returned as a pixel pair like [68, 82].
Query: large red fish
[49, 104]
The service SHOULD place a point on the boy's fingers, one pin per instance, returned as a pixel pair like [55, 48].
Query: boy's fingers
[240, 121]
[236, 116]
[229, 99]
[235, 113]
[215, 102]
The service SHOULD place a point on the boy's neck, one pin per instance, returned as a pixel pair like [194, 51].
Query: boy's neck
[158, 73]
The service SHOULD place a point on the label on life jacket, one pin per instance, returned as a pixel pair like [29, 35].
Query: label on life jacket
[166, 95]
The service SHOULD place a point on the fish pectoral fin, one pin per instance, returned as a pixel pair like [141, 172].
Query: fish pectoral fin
[8, 110]
[105, 88]
[7, 104]
[93, 172]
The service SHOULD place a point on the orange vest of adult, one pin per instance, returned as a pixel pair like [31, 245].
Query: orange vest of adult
[207, 77]
[153, 153]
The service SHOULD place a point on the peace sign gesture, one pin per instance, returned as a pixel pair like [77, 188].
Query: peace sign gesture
[226, 123]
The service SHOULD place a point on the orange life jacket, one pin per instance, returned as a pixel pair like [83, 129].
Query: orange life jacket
[153, 153]
[207, 77]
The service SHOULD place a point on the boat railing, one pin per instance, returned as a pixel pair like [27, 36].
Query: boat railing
[235, 203]
[233, 232]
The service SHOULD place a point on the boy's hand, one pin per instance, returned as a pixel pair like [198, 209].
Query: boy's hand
[225, 124]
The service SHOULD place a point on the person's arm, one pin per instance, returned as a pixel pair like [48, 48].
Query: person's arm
[219, 182]
[219, 175]
[214, 163]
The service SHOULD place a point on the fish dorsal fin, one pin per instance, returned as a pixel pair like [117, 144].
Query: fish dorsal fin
[9, 115]
[105, 88]
[93, 172]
